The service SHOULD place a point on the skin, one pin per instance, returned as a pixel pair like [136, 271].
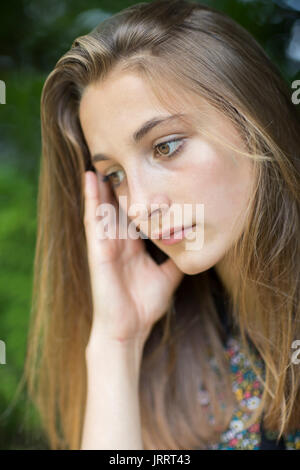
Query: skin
[204, 172]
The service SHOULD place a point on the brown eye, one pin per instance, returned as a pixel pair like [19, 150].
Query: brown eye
[166, 148]
[166, 151]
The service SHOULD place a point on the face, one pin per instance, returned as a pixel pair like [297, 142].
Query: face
[202, 172]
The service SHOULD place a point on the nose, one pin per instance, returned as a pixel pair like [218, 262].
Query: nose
[146, 207]
[150, 219]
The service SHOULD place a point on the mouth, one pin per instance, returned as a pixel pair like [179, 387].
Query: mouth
[174, 235]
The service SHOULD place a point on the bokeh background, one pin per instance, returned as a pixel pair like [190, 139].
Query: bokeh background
[34, 35]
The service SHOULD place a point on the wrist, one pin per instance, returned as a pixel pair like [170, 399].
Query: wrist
[100, 337]
[107, 352]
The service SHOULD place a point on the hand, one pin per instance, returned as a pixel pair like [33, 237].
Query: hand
[130, 291]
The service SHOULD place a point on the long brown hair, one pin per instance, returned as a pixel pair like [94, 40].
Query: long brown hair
[204, 54]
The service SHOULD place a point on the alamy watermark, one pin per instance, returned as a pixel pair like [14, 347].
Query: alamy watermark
[295, 358]
[2, 352]
[296, 93]
[2, 92]
[182, 216]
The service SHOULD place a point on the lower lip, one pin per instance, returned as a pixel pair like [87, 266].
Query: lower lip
[179, 236]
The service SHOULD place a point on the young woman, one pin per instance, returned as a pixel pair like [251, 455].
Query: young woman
[141, 343]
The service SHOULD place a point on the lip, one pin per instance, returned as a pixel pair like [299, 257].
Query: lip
[170, 234]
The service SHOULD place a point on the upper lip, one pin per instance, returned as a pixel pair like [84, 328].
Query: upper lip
[172, 230]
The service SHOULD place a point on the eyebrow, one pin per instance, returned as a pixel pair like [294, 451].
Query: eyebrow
[141, 132]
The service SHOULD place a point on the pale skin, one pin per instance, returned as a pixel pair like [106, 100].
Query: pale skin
[130, 291]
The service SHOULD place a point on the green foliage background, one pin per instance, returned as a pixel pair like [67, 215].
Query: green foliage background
[34, 34]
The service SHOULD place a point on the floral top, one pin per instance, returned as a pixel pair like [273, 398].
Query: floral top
[248, 391]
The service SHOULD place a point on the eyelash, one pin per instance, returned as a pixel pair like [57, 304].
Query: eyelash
[175, 152]
[168, 142]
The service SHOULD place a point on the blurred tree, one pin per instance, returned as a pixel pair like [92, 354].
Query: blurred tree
[34, 35]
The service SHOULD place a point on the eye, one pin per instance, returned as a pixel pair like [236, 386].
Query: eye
[167, 144]
[111, 176]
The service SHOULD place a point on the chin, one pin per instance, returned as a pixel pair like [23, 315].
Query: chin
[191, 266]
[195, 262]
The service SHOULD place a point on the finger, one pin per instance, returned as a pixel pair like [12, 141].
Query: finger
[91, 197]
[107, 195]
[97, 215]
[95, 250]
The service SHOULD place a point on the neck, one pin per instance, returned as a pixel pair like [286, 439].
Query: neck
[227, 274]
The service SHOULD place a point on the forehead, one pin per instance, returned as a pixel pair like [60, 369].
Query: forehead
[123, 103]
[123, 95]
[113, 109]
[116, 97]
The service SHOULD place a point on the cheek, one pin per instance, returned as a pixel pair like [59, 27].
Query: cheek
[221, 184]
